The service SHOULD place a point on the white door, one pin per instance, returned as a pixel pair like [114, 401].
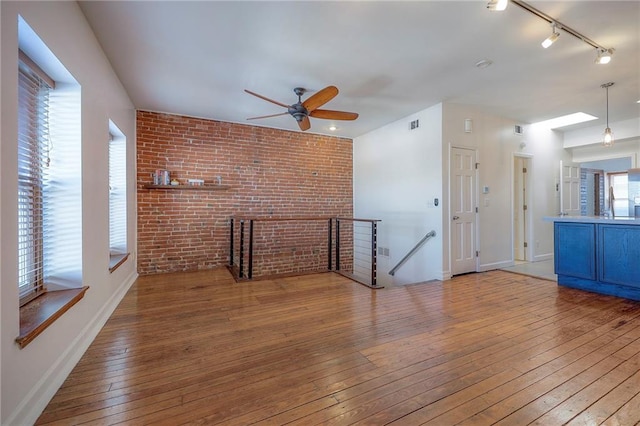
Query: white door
[463, 210]
[569, 188]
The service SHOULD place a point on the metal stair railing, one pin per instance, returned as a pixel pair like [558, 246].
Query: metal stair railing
[426, 238]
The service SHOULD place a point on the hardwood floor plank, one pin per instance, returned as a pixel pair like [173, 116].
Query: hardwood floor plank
[321, 349]
[542, 375]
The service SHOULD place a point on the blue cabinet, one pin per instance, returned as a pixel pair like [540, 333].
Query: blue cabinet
[619, 254]
[600, 257]
[576, 256]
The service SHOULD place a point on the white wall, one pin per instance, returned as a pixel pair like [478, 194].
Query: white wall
[396, 175]
[546, 147]
[620, 149]
[31, 376]
[496, 144]
[397, 172]
[622, 131]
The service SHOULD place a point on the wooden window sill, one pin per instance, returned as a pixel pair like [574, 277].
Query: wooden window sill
[42, 311]
[115, 260]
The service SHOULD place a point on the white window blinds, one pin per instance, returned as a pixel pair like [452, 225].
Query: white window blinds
[33, 162]
[117, 194]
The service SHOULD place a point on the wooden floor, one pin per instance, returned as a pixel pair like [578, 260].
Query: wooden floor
[488, 348]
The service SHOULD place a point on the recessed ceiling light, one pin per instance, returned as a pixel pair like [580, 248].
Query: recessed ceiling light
[484, 63]
[333, 128]
[566, 120]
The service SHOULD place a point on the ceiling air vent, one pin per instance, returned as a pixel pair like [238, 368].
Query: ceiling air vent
[518, 129]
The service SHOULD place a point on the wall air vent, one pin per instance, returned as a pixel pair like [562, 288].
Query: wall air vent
[518, 129]
[414, 124]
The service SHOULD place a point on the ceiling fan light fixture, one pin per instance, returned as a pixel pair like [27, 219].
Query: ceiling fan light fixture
[552, 38]
[603, 56]
[607, 136]
[497, 5]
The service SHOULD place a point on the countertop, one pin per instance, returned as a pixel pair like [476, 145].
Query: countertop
[626, 220]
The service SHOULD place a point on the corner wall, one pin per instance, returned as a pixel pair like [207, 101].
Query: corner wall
[397, 174]
[496, 144]
[31, 376]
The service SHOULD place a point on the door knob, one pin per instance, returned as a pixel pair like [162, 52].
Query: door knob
[456, 218]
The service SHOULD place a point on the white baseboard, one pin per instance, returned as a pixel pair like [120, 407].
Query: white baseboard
[542, 257]
[495, 265]
[445, 275]
[37, 399]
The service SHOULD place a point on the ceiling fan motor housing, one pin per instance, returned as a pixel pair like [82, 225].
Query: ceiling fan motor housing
[298, 111]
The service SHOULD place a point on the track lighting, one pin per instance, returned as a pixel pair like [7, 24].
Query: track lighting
[607, 137]
[552, 38]
[604, 56]
[497, 5]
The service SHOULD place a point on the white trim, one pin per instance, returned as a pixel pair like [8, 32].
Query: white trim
[529, 234]
[542, 257]
[495, 265]
[36, 400]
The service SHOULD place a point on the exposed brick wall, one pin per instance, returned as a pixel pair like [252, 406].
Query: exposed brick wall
[272, 173]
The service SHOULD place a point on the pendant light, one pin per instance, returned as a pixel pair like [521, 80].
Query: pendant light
[607, 139]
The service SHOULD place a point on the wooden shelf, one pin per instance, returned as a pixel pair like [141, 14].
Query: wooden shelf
[190, 187]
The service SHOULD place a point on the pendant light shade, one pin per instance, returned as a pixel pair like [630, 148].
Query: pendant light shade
[607, 136]
[607, 139]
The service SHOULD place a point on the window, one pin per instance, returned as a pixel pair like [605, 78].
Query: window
[117, 196]
[49, 193]
[619, 192]
[49, 186]
[33, 164]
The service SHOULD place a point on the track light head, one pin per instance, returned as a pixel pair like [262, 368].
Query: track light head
[604, 56]
[497, 5]
[552, 38]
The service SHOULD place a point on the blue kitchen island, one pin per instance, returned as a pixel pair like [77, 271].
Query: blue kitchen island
[598, 254]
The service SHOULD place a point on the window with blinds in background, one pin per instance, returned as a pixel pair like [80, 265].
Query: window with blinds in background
[117, 194]
[33, 161]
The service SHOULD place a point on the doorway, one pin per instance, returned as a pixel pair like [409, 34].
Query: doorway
[463, 211]
[521, 192]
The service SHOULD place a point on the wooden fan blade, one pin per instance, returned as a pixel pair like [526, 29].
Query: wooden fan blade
[333, 115]
[267, 116]
[304, 124]
[320, 98]
[266, 99]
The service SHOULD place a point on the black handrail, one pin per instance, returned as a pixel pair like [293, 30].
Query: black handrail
[249, 273]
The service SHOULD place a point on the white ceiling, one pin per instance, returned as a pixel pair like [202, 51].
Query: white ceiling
[389, 59]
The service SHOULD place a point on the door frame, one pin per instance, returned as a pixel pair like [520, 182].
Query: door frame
[476, 220]
[528, 235]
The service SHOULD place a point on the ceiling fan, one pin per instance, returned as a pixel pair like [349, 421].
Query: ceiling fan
[301, 111]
